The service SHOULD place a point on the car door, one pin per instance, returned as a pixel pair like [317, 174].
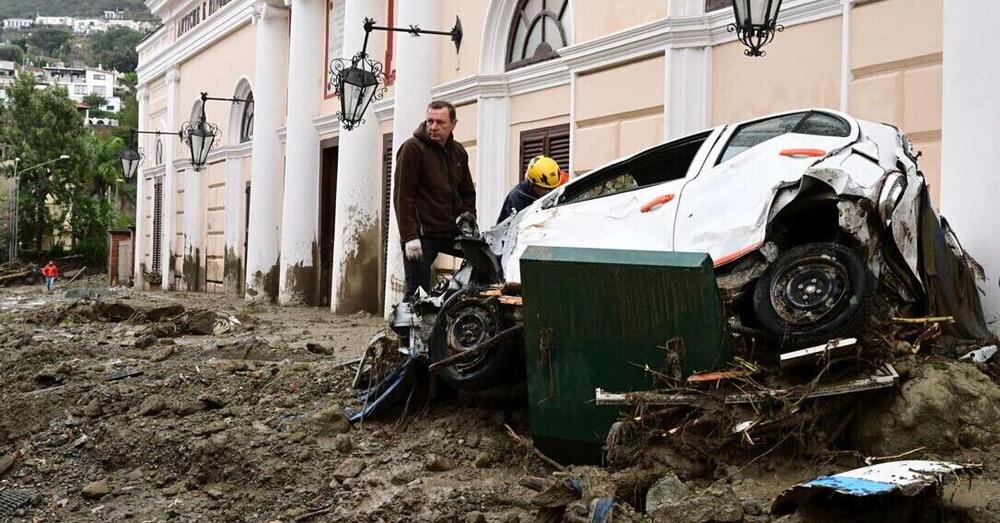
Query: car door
[630, 204]
[723, 210]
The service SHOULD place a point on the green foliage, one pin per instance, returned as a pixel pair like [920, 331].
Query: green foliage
[65, 196]
[95, 101]
[11, 53]
[115, 48]
[50, 40]
[135, 9]
[128, 117]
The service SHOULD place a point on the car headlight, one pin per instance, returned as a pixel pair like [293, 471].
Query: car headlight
[892, 193]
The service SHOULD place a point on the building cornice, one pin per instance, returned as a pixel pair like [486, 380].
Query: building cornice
[327, 125]
[635, 43]
[219, 25]
[153, 172]
[231, 152]
[385, 109]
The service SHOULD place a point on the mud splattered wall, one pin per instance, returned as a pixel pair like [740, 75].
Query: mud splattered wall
[214, 185]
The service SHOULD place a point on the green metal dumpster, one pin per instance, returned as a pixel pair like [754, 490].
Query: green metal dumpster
[593, 318]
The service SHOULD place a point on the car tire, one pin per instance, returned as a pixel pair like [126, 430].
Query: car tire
[482, 372]
[815, 292]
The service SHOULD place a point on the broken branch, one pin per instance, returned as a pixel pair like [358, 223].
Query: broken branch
[924, 321]
[526, 443]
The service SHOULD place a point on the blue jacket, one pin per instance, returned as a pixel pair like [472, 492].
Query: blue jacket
[518, 199]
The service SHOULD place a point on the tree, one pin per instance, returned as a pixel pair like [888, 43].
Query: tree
[11, 53]
[49, 39]
[115, 48]
[41, 125]
[128, 117]
[95, 101]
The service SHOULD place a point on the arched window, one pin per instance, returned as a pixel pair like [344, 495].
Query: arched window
[158, 151]
[540, 27]
[246, 121]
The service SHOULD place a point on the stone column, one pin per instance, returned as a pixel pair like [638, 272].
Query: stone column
[416, 72]
[970, 112]
[688, 87]
[356, 238]
[266, 167]
[492, 145]
[194, 210]
[299, 272]
[232, 266]
[169, 209]
[139, 243]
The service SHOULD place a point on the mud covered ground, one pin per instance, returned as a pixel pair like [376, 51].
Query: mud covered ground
[108, 415]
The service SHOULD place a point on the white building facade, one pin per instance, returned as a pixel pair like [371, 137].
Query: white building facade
[292, 208]
[81, 82]
[18, 23]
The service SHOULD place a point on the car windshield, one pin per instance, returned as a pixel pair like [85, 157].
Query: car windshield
[657, 165]
[755, 133]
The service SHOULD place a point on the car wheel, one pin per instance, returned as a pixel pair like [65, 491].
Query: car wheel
[815, 292]
[465, 321]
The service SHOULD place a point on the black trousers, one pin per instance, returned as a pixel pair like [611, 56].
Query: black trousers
[418, 273]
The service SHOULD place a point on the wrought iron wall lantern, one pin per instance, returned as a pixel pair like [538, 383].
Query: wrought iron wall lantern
[361, 80]
[131, 156]
[756, 23]
[199, 136]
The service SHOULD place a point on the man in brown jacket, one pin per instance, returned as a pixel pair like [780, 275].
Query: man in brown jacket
[433, 188]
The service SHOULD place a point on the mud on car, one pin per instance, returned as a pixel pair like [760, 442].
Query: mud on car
[818, 224]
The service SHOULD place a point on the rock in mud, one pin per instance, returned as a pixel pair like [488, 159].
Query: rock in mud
[152, 405]
[113, 311]
[944, 406]
[163, 312]
[93, 409]
[145, 341]
[343, 443]
[96, 490]
[331, 420]
[668, 489]
[435, 463]
[349, 468]
[200, 322]
[162, 354]
[483, 460]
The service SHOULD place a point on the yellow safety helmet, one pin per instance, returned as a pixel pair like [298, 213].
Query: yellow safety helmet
[544, 172]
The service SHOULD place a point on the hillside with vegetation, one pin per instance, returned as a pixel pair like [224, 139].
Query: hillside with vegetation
[133, 9]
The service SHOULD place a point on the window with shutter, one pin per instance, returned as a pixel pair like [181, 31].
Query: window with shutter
[157, 223]
[715, 5]
[549, 141]
[386, 203]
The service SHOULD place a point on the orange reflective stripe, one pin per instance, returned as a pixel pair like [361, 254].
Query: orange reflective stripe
[736, 255]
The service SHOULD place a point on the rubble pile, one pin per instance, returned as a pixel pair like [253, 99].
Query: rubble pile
[123, 405]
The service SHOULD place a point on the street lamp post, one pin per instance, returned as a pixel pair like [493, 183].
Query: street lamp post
[361, 80]
[200, 135]
[756, 23]
[15, 204]
[131, 156]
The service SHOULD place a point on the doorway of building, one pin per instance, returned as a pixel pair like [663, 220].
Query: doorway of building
[327, 222]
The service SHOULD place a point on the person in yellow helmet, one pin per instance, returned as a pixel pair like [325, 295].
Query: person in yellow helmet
[540, 178]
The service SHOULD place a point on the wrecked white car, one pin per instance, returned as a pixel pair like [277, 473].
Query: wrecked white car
[817, 223]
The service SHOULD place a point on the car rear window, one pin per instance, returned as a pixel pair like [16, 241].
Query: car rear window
[755, 133]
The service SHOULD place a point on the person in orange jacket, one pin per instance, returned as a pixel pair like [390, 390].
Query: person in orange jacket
[50, 272]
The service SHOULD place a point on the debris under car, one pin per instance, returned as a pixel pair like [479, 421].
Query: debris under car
[831, 267]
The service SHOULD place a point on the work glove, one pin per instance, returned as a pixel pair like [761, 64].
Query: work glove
[414, 252]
